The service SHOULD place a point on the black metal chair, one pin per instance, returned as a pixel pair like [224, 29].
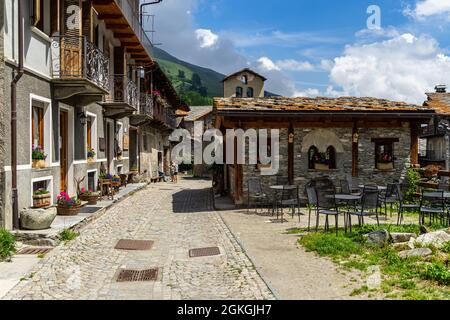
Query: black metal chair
[432, 204]
[389, 197]
[312, 202]
[290, 198]
[402, 205]
[326, 205]
[255, 194]
[353, 184]
[368, 207]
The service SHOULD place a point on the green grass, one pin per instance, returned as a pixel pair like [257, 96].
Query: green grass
[7, 244]
[411, 278]
[68, 235]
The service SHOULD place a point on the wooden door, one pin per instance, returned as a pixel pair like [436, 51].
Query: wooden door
[71, 57]
[63, 156]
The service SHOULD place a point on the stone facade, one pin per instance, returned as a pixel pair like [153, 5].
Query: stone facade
[343, 145]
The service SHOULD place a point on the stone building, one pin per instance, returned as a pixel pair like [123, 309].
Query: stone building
[244, 84]
[90, 92]
[3, 118]
[373, 139]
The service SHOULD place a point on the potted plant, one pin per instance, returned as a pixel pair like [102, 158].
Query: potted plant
[321, 162]
[105, 176]
[385, 162]
[38, 156]
[89, 196]
[68, 206]
[134, 169]
[91, 155]
[41, 198]
[116, 181]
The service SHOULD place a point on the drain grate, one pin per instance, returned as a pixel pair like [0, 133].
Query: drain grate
[126, 275]
[204, 252]
[141, 245]
[31, 250]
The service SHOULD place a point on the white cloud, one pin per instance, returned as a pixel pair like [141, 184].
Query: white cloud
[428, 8]
[294, 65]
[267, 64]
[310, 92]
[206, 37]
[402, 68]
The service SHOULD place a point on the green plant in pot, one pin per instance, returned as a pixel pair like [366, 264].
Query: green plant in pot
[68, 206]
[41, 198]
[38, 157]
[91, 155]
[90, 196]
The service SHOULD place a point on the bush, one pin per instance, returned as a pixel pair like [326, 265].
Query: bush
[7, 245]
[446, 247]
[413, 180]
[437, 272]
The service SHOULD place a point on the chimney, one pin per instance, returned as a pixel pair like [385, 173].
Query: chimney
[441, 88]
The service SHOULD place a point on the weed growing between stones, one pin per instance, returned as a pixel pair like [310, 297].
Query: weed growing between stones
[7, 245]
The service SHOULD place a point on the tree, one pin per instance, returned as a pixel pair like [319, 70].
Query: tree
[181, 74]
[196, 81]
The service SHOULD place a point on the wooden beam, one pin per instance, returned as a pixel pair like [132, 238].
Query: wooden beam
[355, 152]
[414, 144]
[291, 154]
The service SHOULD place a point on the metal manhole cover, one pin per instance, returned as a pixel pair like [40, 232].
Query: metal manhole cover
[204, 252]
[30, 250]
[126, 275]
[142, 245]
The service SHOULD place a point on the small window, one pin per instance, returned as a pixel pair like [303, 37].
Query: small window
[89, 132]
[239, 92]
[44, 16]
[312, 155]
[384, 155]
[322, 160]
[331, 157]
[244, 79]
[37, 127]
[250, 92]
[91, 181]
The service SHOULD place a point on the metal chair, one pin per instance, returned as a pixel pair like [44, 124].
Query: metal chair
[369, 206]
[255, 193]
[326, 205]
[433, 204]
[389, 197]
[282, 180]
[290, 198]
[353, 184]
[312, 202]
[401, 189]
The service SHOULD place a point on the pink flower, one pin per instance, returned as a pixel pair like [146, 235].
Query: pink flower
[83, 190]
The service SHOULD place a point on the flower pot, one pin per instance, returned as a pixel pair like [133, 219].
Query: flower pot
[37, 164]
[68, 211]
[42, 200]
[90, 160]
[321, 166]
[91, 199]
[385, 166]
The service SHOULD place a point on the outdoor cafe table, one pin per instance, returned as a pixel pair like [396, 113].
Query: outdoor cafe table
[345, 197]
[279, 188]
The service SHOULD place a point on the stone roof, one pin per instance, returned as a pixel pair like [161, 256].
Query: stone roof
[197, 113]
[439, 102]
[248, 70]
[335, 105]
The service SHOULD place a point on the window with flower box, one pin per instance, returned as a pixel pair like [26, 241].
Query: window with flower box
[384, 153]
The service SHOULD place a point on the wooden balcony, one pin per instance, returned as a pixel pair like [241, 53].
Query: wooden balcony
[80, 70]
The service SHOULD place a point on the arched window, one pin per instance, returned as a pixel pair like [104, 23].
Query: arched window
[331, 157]
[249, 92]
[244, 79]
[312, 155]
[239, 92]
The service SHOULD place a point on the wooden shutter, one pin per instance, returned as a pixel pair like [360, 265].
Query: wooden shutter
[89, 133]
[71, 44]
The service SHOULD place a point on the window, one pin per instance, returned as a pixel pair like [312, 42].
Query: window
[91, 136]
[244, 79]
[322, 160]
[250, 92]
[37, 127]
[268, 152]
[44, 16]
[239, 92]
[89, 133]
[92, 180]
[384, 153]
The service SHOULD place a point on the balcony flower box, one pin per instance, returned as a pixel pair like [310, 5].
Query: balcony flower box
[38, 157]
[41, 198]
[385, 166]
[68, 206]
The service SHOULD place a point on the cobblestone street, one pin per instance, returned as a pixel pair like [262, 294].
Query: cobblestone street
[177, 218]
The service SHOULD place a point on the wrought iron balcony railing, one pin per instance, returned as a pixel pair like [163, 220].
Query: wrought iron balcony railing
[146, 104]
[123, 90]
[170, 119]
[75, 58]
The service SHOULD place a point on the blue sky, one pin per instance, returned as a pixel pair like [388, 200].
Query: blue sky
[316, 47]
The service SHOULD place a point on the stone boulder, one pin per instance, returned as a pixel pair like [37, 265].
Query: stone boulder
[411, 243]
[37, 219]
[436, 239]
[401, 246]
[380, 237]
[419, 252]
[402, 237]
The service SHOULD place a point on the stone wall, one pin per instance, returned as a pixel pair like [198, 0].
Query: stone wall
[342, 141]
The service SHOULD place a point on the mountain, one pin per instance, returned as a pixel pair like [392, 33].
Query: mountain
[196, 85]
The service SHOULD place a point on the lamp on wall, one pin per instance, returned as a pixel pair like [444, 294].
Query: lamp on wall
[83, 117]
[356, 137]
[291, 138]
